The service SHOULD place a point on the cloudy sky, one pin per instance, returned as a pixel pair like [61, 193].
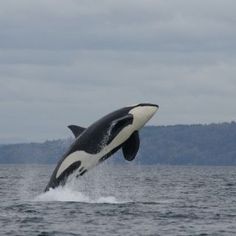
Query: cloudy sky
[71, 61]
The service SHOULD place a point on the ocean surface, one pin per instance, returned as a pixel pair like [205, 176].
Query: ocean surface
[119, 200]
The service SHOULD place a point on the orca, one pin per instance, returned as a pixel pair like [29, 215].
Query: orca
[100, 140]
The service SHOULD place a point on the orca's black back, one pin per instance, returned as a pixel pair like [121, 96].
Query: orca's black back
[93, 138]
[90, 141]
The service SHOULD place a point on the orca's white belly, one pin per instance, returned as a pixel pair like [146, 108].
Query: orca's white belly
[88, 160]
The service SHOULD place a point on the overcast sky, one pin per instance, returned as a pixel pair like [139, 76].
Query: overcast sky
[72, 61]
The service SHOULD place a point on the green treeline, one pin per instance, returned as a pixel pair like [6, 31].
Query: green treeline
[213, 144]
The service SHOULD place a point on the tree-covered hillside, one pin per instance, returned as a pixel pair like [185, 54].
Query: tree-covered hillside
[213, 144]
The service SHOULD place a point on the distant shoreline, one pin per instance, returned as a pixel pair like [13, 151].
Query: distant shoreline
[148, 126]
[191, 145]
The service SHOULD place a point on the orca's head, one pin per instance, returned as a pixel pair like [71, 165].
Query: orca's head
[142, 113]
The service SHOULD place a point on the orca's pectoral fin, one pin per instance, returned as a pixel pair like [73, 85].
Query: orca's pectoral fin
[131, 146]
[76, 130]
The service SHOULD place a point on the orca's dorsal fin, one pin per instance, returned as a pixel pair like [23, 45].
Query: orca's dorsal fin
[131, 146]
[76, 130]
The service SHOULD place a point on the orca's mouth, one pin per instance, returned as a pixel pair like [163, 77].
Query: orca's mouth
[148, 104]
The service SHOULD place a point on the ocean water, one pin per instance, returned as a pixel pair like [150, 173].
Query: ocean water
[119, 200]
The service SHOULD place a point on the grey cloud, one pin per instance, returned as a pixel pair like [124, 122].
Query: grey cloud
[73, 61]
[130, 25]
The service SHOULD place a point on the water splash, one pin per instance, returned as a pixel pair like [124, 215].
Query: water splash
[66, 194]
[25, 179]
[100, 185]
[106, 137]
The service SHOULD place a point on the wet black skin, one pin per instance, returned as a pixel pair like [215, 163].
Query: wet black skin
[91, 140]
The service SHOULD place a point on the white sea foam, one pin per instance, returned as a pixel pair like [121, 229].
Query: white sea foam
[97, 186]
[66, 194]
